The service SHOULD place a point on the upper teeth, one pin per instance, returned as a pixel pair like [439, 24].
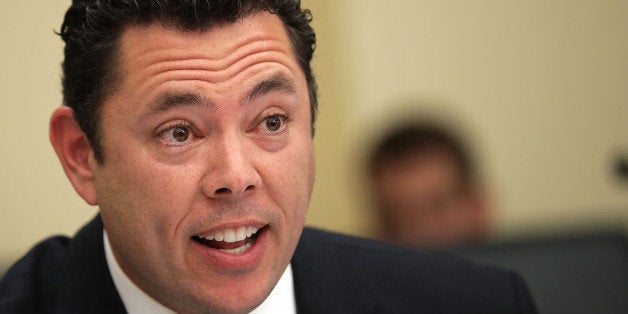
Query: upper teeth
[233, 235]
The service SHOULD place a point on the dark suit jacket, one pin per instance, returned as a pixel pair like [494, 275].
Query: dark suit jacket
[332, 274]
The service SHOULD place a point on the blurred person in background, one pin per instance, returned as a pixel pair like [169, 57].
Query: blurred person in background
[424, 188]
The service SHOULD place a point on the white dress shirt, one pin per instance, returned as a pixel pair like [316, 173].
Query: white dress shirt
[280, 300]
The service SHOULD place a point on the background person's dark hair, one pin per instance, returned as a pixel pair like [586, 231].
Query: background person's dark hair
[412, 138]
[92, 29]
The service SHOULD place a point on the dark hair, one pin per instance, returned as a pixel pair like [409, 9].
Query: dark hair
[91, 30]
[413, 138]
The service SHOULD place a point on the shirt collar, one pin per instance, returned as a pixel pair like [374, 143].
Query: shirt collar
[280, 300]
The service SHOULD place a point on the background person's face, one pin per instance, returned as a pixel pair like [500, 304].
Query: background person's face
[425, 203]
[207, 136]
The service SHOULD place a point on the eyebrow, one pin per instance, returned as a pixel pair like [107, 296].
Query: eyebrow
[278, 82]
[168, 101]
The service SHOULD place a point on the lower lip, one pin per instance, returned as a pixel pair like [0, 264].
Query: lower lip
[236, 262]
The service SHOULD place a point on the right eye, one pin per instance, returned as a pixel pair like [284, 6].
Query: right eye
[178, 134]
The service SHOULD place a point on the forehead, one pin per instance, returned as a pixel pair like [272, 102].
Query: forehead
[222, 50]
[259, 24]
[429, 166]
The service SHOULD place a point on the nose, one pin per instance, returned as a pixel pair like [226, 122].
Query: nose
[231, 172]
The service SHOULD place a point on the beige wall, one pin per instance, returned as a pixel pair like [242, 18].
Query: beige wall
[540, 87]
[36, 200]
[542, 83]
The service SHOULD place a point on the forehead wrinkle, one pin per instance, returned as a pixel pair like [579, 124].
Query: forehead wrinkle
[186, 55]
[202, 69]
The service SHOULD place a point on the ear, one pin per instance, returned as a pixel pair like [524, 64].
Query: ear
[74, 152]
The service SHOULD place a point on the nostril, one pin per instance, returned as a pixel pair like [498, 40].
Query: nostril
[223, 191]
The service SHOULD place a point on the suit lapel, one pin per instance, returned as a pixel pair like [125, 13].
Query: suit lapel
[324, 283]
[89, 287]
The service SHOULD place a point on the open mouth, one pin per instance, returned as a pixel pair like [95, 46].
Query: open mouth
[233, 241]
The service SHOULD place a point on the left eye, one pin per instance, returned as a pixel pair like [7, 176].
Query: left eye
[180, 134]
[273, 123]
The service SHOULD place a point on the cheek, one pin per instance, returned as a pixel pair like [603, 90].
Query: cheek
[288, 175]
[301, 172]
[143, 191]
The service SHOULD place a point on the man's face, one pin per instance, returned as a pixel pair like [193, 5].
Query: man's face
[425, 201]
[208, 162]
